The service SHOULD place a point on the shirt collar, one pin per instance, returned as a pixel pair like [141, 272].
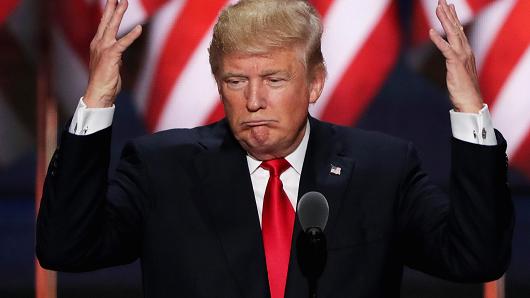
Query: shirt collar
[296, 158]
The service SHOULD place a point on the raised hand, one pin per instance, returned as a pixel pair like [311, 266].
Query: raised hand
[106, 51]
[462, 78]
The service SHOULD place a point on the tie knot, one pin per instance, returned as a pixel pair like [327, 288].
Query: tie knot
[276, 166]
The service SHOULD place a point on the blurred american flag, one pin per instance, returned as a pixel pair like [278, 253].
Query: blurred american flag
[500, 39]
[175, 87]
[361, 44]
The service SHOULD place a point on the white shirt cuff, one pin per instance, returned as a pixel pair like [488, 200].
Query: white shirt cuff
[473, 128]
[90, 120]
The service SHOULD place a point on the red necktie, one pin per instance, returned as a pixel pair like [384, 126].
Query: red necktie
[277, 227]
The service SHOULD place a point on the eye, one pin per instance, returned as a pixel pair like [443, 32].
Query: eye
[275, 81]
[235, 83]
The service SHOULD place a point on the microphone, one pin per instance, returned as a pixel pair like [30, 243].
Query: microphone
[313, 212]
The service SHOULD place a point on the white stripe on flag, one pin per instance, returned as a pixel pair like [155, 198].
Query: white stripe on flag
[160, 28]
[487, 25]
[194, 95]
[347, 26]
[511, 111]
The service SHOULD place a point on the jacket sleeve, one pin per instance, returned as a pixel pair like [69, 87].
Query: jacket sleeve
[468, 237]
[85, 222]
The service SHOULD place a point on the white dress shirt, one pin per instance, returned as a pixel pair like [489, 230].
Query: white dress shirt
[469, 127]
[290, 178]
[90, 120]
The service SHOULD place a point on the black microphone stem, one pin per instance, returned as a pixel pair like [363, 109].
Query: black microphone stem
[312, 287]
[313, 212]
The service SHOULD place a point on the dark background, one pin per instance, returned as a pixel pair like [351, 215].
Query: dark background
[412, 105]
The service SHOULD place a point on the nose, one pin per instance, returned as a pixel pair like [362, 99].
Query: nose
[256, 96]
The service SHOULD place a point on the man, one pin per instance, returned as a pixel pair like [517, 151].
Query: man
[185, 201]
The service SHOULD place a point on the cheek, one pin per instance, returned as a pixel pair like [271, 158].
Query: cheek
[231, 108]
[295, 104]
[235, 114]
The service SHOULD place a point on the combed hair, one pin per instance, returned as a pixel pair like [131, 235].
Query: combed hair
[258, 26]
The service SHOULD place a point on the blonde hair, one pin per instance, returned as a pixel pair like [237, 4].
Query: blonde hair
[258, 26]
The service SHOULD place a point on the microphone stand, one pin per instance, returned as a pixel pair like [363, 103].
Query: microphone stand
[312, 256]
[312, 283]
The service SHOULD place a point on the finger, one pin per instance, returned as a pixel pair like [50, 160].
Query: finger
[463, 37]
[114, 24]
[448, 9]
[449, 28]
[123, 43]
[458, 28]
[441, 44]
[452, 18]
[110, 7]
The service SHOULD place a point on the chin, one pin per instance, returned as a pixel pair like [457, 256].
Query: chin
[259, 136]
[260, 148]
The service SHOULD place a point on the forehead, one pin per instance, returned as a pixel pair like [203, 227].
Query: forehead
[281, 59]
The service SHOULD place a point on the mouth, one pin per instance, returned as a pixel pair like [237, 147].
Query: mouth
[255, 123]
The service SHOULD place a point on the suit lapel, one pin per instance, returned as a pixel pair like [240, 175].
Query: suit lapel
[324, 151]
[226, 194]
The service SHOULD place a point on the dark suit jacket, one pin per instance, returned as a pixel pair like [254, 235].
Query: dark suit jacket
[182, 202]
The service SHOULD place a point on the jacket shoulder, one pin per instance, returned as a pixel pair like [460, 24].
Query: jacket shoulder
[366, 140]
[201, 136]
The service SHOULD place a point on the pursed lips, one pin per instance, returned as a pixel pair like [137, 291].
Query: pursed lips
[257, 123]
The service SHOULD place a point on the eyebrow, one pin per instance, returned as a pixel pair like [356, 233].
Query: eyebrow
[263, 74]
[274, 71]
[231, 75]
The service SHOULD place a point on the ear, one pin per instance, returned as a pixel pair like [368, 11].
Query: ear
[316, 85]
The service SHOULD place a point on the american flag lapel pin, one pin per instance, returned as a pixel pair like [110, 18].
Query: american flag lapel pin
[335, 170]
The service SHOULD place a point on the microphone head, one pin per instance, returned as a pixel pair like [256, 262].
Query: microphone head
[313, 211]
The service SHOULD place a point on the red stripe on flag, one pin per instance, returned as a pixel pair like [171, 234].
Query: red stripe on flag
[510, 44]
[78, 20]
[521, 158]
[367, 72]
[420, 24]
[322, 6]
[6, 7]
[189, 29]
[151, 6]
[478, 5]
